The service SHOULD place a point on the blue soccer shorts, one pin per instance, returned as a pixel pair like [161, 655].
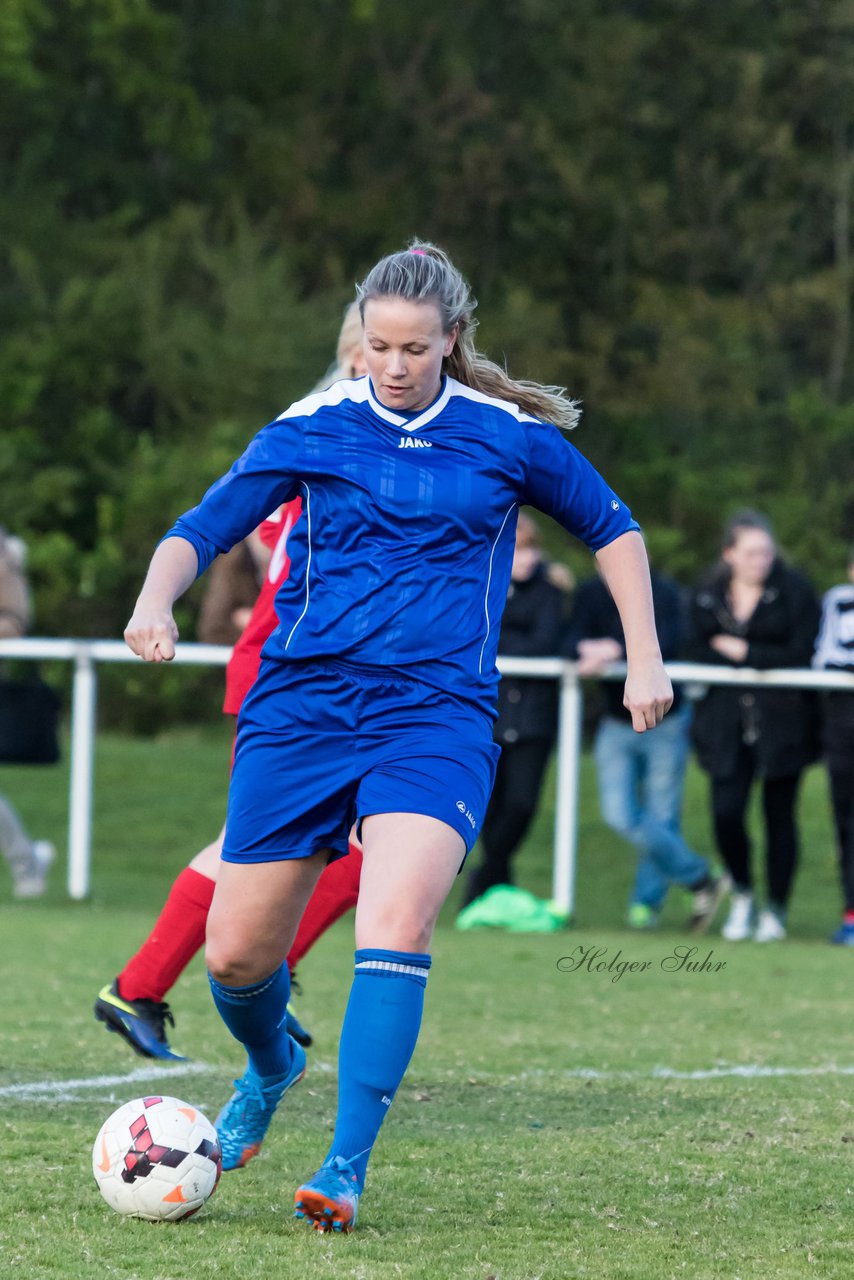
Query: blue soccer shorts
[321, 745]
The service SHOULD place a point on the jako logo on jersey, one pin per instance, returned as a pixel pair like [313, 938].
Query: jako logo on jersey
[615, 506]
[467, 814]
[409, 442]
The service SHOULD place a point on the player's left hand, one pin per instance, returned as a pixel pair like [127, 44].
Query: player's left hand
[648, 696]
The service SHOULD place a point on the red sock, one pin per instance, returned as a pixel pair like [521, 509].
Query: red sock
[176, 937]
[337, 891]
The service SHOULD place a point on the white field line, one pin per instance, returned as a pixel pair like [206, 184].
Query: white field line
[748, 1072]
[66, 1090]
[71, 1090]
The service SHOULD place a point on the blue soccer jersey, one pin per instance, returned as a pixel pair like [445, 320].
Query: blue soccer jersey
[402, 558]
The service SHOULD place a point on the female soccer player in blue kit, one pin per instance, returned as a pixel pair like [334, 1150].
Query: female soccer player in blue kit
[376, 690]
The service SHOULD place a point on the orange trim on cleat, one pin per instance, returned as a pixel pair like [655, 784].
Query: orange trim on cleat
[323, 1214]
[329, 1200]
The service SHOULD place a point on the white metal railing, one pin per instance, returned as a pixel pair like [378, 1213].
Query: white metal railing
[86, 654]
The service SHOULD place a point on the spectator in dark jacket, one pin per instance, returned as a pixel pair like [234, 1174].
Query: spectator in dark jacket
[754, 611]
[526, 726]
[641, 776]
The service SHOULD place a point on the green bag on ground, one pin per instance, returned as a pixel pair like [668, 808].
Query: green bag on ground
[505, 906]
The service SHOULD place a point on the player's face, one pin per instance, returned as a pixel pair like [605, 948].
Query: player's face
[404, 349]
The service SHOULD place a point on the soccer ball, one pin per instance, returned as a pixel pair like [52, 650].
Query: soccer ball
[157, 1158]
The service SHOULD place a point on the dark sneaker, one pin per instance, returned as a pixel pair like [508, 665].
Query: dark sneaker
[705, 902]
[329, 1200]
[297, 1030]
[141, 1022]
[242, 1124]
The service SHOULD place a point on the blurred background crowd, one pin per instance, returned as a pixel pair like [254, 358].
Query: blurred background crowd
[654, 204]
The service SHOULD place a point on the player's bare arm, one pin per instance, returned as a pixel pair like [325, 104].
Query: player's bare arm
[625, 569]
[151, 632]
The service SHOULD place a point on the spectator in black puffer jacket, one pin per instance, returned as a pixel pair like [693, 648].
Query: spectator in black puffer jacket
[526, 727]
[754, 611]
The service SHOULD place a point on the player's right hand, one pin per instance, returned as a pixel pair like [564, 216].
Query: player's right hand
[152, 634]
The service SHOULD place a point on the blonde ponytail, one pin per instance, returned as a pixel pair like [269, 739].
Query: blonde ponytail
[425, 273]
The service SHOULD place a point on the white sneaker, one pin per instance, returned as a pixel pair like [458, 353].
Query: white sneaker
[739, 922]
[32, 882]
[769, 928]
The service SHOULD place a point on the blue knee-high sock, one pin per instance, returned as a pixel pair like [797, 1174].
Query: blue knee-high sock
[378, 1038]
[256, 1016]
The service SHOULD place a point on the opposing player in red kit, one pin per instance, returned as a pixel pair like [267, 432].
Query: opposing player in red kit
[133, 1005]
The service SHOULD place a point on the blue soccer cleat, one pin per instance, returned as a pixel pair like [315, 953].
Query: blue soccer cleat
[141, 1022]
[844, 935]
[244, 1120]
[329, 1200]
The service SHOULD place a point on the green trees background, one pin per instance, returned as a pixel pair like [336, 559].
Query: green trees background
[652, 199]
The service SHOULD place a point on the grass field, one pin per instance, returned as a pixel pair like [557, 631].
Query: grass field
[554, 1123]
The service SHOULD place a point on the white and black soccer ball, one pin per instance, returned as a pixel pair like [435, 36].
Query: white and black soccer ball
[157, 1158]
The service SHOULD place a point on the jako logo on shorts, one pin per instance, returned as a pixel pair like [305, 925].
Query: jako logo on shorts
[467, 813]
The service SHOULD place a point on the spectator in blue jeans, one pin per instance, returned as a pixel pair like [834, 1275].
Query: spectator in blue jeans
[641, 776]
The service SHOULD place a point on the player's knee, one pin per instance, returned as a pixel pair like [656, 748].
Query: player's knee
[226, 966]
[399, 930]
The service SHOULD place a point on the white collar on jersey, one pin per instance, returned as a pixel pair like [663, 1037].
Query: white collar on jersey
[411, 424]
